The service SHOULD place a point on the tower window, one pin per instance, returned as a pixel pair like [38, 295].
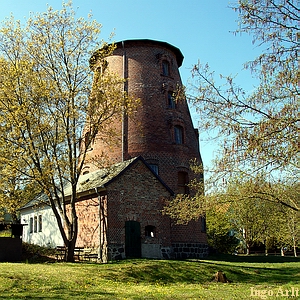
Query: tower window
[178, 134]
[171, 100]
[203, 224]
[150, 231]
[154, 168]
[165, 68]
[183, 180]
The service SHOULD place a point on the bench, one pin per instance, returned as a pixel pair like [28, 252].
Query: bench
[88, 255]
[60, 253]
[80, 253]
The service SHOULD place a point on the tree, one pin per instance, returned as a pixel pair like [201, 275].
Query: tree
[220, 231]
[289, 225]
[15, 189]
[46, 101]
[14, 193]
[258, 130]
[260, 219]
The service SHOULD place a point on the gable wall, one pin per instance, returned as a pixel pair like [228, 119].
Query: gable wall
[137, 195]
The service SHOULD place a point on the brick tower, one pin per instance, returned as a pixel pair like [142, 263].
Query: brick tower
[161, 131]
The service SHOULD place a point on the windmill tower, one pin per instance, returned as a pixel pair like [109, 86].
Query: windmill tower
[162, 133]
[161, 130]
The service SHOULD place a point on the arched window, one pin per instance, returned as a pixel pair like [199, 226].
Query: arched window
[182, 185]
[150, 231]
[86, 170]
[154, 168]
[154, 165]
[203, 224]
[178, 134]
[165, 68]
[171, 100]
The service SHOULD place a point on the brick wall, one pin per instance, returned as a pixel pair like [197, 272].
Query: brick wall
[137, 195]
[151, 129]
[150, 134]
[88, 223]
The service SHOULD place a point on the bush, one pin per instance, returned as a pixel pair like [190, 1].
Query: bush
[35, 252]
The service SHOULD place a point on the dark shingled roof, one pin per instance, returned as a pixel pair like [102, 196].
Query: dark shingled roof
[175, 50]
[98, 179]
[120, 44]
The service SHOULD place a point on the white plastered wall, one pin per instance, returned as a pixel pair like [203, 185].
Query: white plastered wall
[49, 236]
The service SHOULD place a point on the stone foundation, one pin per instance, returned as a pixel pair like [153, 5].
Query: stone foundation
[189, 250]
[176, 251]
[116, 252]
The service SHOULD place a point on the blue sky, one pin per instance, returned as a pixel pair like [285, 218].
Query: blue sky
[201, 29]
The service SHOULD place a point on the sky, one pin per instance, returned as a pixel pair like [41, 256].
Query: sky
[201, 29]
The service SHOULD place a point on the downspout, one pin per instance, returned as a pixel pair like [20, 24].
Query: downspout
[100, 255]
[124, 115]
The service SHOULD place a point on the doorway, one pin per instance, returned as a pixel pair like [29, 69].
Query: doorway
[132, 239]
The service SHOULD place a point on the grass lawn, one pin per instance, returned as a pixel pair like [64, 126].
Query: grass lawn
[152, 279]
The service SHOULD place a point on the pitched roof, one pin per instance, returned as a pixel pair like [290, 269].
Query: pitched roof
[99, 179]
[38, 200]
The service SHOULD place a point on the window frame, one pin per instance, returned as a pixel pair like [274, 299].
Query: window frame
[171, 100]
[35, 224]
[154, 168]
[150, 231]
[178, 134]
[31, 225]
[166, 67]
[182, 182]
[40, 223]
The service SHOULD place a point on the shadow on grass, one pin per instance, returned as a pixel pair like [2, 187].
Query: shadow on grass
[253, 258]
[60, 296]
[172, 272]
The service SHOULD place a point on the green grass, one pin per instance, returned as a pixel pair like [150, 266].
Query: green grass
[149, 279]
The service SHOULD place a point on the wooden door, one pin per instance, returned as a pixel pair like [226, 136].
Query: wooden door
[132, 239]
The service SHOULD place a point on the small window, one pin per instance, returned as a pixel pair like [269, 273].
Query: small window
[183, 180]
[178, 134]
[40, 223]
[154, 168]
[86, 170]
[101, 68]
[203, 224]
[31, 225]
[35, 224]
[150, 231]
[171, 100]
[165, 68]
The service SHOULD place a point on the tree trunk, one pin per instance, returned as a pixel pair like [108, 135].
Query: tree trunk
[282, 251]
[247, 249]
[70, 251]
[294, 247]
